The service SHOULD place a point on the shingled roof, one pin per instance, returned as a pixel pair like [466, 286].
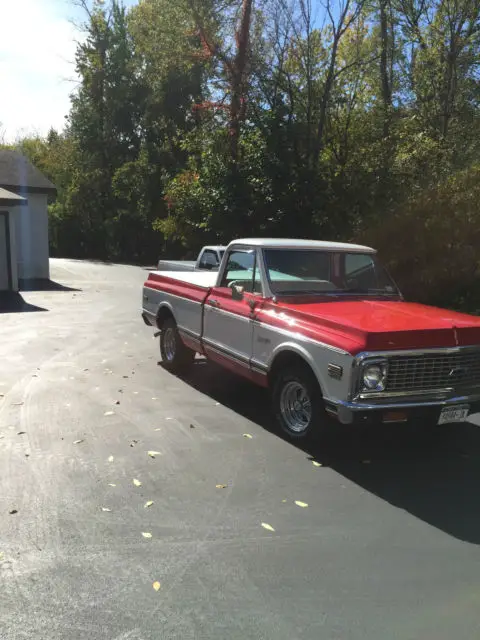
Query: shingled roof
[18, 174]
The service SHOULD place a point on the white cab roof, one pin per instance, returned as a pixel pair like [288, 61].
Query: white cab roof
[290, 243]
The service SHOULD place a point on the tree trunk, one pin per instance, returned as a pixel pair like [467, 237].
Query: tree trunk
[238, 78]
[384, 68]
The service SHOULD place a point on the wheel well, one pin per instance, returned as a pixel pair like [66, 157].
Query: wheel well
[289, 359]
[163, 314]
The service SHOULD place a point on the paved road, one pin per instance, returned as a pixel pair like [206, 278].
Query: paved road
[388, 547]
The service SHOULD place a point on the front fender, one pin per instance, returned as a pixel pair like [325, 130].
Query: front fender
[304, 353]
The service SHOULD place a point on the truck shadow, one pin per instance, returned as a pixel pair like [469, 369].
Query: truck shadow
[434, 474]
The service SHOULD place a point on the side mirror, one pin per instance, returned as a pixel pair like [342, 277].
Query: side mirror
[237, 292]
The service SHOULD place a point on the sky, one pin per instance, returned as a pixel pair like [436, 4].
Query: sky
[37, 73]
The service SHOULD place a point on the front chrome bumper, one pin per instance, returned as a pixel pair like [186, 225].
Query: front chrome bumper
[346, 412]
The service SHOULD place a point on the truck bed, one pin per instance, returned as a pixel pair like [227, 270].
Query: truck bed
[176, 265]
[203, 279]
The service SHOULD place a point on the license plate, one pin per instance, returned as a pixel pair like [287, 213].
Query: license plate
[454, 414]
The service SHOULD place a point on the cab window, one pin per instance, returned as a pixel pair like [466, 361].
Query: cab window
[241, 270]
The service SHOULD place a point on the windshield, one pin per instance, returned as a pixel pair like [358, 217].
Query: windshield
[299, 271]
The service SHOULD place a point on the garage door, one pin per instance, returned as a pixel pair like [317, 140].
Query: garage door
[5, 283]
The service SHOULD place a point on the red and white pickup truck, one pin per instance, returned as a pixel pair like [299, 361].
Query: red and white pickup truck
[324, 327]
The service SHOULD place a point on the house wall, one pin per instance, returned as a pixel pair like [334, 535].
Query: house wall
[5, 255]
[31, 230]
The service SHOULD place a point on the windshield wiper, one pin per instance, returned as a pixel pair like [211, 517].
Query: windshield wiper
[371, 292]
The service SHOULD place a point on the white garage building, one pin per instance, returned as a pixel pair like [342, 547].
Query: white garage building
[24, 192]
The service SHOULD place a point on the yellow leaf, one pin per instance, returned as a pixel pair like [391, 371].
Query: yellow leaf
[105, 509]
[283, 500]
[316, 464]
[247, 435]
[148, 504]
[268, 527]
[145, 534]
[137, 483]
[301, 504]
[221, 486]
[152, 454]
[156, 585]
[108, 413]
[111, 485]
[110, 458]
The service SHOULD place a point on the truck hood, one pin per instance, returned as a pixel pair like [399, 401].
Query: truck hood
[386, 325]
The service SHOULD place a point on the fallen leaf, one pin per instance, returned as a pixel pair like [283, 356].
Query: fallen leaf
[110, 458]
[169, 418]
[110, 484]
[1, 556]
[148, 504]
[27, 455]
[156, 585]
[85, 369]
[221, 486]
[217, 404]
[117, 402]
[299, 503]
[247, 435]
[159, 429]
[21, 433]
[152, 454]
[108, 413]
[268, 527]
[105, 509]
[283, 500]
[316, 464]
[145, 534]
[135, 393]
[77, 441]
[154, 398]
[124, 376]
[137, 483]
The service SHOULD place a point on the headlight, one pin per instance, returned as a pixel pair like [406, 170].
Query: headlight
[374, 377]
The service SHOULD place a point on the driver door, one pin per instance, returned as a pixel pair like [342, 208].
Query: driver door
[228, 319]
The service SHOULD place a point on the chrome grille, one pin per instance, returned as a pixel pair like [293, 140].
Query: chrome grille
[433, 371]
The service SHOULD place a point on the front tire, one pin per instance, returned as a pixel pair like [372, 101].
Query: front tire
[297, 403]
[176, 357]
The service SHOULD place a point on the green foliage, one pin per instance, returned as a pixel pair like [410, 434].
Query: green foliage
[363, 126]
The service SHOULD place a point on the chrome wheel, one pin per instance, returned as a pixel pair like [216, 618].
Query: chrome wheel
[170, 344]
[296, 406]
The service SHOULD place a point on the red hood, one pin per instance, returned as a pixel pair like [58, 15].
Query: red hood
[358, 325]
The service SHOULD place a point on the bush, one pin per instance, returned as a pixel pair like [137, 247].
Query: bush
[432, 243]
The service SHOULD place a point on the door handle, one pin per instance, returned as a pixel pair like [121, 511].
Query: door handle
[213, 303]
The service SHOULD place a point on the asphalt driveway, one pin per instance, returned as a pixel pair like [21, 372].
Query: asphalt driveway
[387, 548]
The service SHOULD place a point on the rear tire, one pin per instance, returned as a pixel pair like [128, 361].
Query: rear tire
[176, 357]
[297, 403]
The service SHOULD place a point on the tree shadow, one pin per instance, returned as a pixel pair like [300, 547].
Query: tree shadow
[433, 473]
[12, 302]
[43, 284]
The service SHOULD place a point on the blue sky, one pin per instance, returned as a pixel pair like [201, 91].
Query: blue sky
[37, 50]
